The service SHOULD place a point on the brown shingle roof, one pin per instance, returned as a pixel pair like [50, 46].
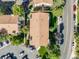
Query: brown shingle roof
[43, 1]
[9, 23]
[39, 29]
[8, 19]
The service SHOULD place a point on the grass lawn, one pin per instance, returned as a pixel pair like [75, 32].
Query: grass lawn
[57, 11]
[52, 29]
[78, 15]
[53, 56]
[42, 51]
[58, 2]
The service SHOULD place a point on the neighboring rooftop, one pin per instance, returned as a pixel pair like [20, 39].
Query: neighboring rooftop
[8, 19]
[19, 2]
[9, 23]
[39, 29]
[43, 2]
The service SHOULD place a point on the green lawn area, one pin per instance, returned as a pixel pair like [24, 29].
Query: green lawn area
[58, 2]
[18, 10]
[53, 56]
[53, 22]
[78, 15]
[52, 29]
[46, 53]
[2, 39]
[42, 51]
[57, 11]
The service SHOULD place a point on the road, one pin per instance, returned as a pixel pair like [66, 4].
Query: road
[68, 30]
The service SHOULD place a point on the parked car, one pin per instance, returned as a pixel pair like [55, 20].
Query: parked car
[38, 56]
[2, 57]
[59, 37]
[8, 56]
[5, 43]
[72, 43]
[32, 47]
[21, 53]
[1, 44]
[25, 57]
[74, 7]
[74, 17]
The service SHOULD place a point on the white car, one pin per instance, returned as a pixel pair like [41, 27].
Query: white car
[21, 53]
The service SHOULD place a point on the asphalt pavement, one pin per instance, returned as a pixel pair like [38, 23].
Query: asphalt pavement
[66, 48]
[16, 51]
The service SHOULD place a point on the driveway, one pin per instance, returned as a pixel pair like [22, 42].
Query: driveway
[17, 49]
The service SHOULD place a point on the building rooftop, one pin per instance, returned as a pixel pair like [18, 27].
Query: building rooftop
[43, 1]
[9, 23]
[8, 19]
[39, 29]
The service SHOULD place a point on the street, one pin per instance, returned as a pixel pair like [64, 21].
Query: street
[66, 48]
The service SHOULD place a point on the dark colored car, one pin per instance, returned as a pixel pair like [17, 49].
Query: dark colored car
[25, 57]
[74, 17]
[2, 57]
[7, 42]
[61, 41]
[74, 7]
[72, 43]
[38, 56]
[32, 47]
[8, 56]
[21, 53]
[1, 44]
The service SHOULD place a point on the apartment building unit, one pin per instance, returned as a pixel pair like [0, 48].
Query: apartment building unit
[39, 29]
[39, 3]
[9, 24]
[39, 24]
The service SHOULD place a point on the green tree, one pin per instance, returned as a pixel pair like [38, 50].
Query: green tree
[76, 36]
[25, 31]
[58, 3]
[78, 2]
[53, 22]
[18, 10]
[2, 10]
[47, 53]
[17, 39]
[42, 51]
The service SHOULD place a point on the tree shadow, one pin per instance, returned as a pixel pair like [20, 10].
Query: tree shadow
[3, 32]
[52, 20]
[7, 7]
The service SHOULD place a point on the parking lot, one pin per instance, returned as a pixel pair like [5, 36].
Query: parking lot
[16, 50]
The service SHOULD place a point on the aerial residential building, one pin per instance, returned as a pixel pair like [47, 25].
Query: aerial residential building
[38, 3]
[39, 29]
[19, 2]
[9, 23]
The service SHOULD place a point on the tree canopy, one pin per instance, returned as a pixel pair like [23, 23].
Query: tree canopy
[18, 10]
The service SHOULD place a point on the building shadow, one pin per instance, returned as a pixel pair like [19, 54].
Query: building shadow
[7, 6]
[25, 5]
